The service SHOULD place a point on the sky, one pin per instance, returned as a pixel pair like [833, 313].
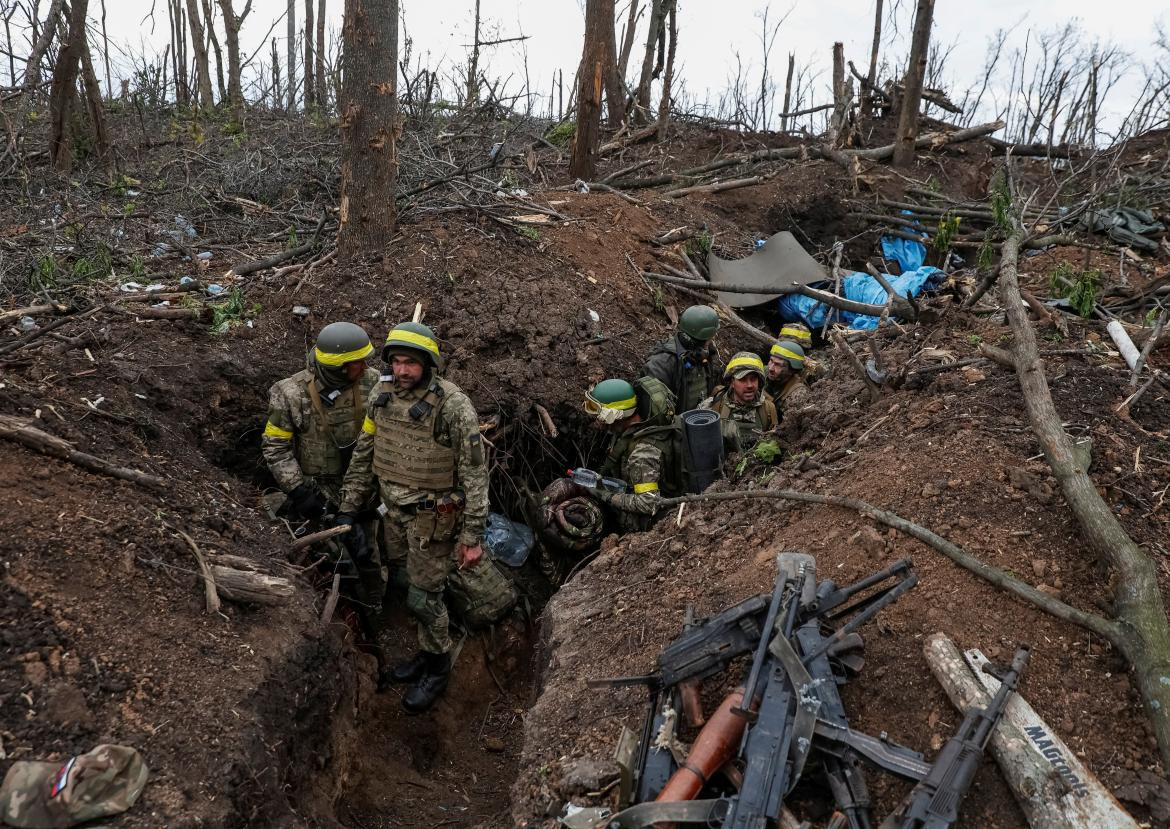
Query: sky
[711, 32]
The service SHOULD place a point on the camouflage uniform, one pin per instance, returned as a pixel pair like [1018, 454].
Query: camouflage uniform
[644, 456]
[743, 424]
[432, 476]
[788, 391]
[690, 377]
[310, 434]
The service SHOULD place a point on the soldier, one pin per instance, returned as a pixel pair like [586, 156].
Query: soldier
[745, 410]
[314, 419]
[799, 333]
[688, 363]
[420, 446]
[645, 452]
[786, 364]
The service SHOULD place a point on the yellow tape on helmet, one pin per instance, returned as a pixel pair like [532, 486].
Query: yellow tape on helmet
[327, 359]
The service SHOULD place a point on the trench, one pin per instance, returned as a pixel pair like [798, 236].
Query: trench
[351, 756]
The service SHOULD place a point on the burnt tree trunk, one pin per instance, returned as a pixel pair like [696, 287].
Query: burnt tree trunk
[213, 41]
[615, 92]
[668, 76]
[369, 127]
[32, 70]
[291, 63]
[277, 95]
[589, 82]
[63, 92]
[649, 72]
[94, 107]
[871, 77]
[202, 62]
[231, 27]
[319, 58]
[1142, 630]
[915, 73]
[310, 88]
[787, 120]
[623, 61]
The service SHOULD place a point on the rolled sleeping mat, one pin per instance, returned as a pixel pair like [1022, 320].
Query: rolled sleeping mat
[703, 438]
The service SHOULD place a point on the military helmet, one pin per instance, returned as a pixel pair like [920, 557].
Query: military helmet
[699, 322]
[797, 331]
[790, 353]
[415, 339]
[611, 400]
[340, 343]
[743, 364]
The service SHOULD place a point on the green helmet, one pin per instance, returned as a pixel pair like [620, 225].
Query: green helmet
[797, 331]
[415, 339]
[743, 363]
[340, 343]
[611, 400]
[699, 322]
[790, 353]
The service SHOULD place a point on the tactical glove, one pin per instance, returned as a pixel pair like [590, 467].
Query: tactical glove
[355, 539]
[308, 501]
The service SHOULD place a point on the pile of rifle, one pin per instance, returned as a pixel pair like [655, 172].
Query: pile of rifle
[787, 718]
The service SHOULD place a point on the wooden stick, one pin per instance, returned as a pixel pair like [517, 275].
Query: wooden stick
[838, 302]
[1148, 346]
[33, 311]
[210, 593]
[33, 438]
[717, 187]
[323, 535]
[331, 602]
[875, 393]
[550, 428]
[42, 331]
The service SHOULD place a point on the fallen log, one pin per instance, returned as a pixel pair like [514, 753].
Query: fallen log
[20, 431]
[201, 313]
[717, 187]
[250, 587]
[1140, 630]
[1054, 789]
[33, 311]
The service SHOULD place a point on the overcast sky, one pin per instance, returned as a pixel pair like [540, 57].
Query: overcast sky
[712, 31]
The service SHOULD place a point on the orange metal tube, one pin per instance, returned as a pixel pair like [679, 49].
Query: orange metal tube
[692, 703]
[715, 745]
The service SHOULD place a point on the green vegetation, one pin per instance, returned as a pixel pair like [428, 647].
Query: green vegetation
[529, 233]
[700, 244]
[1078, 287]
[562, 134]
[948, 231]
[232, 312]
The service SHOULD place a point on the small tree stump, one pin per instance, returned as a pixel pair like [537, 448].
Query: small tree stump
[250, 587]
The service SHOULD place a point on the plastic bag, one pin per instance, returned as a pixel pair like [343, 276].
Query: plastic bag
[508, 541]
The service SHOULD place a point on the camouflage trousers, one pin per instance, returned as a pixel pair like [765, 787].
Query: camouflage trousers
[481, 595]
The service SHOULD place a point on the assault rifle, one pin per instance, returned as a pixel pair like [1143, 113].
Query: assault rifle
[934, 802]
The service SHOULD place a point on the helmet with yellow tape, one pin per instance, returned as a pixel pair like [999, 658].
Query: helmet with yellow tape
[611, 400]
[415, 340]
[798, 332]
[340, 343]
[790, 353]
[743, 364]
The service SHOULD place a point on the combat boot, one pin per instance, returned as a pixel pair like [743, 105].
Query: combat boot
[427, 690]
[411, 670]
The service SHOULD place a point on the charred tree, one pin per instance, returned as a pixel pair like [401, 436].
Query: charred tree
[291, 64]
[322, 90]
[598, 19]
[369, 127]
[668, 76]
[471, 94]
[277, 95]
[915, 73]
[32, 70]
[94, 107]
[623, 61]
[615, 92]
[63, 92]
[871, 76]
[231, 27]
[202, 62]
[650, 70]
[310, 95]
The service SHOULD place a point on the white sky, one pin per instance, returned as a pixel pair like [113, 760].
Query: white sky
[711, 31]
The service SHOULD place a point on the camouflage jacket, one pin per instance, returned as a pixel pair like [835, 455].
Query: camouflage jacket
[690, 380]
[743, 425]
[297, 444]
[456, 427]
[788, 392]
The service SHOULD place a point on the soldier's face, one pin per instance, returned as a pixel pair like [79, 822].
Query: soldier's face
[777, 368]
[354, 370]
[407, 371]
[746, 388]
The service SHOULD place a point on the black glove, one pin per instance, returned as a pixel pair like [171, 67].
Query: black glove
[308, 501]
[355, 539]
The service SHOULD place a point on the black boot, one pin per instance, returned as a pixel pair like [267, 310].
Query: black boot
[427, 690]
[411, 670]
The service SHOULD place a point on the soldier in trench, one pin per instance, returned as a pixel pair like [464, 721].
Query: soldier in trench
[688, 363]
[746, 411]
[421, 449]
[314, 419]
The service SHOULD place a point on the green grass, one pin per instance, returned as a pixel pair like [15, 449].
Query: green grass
[1078, 287]
[562, 134]
[232, 312]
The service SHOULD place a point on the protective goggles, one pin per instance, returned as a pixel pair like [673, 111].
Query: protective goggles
[610, 412]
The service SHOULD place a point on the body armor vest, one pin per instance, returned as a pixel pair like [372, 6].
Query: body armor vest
[325, 443]
[406, 451]
[748, 420]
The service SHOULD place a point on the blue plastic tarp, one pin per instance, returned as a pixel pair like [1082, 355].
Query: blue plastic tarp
[859, 287]
[907, 253]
